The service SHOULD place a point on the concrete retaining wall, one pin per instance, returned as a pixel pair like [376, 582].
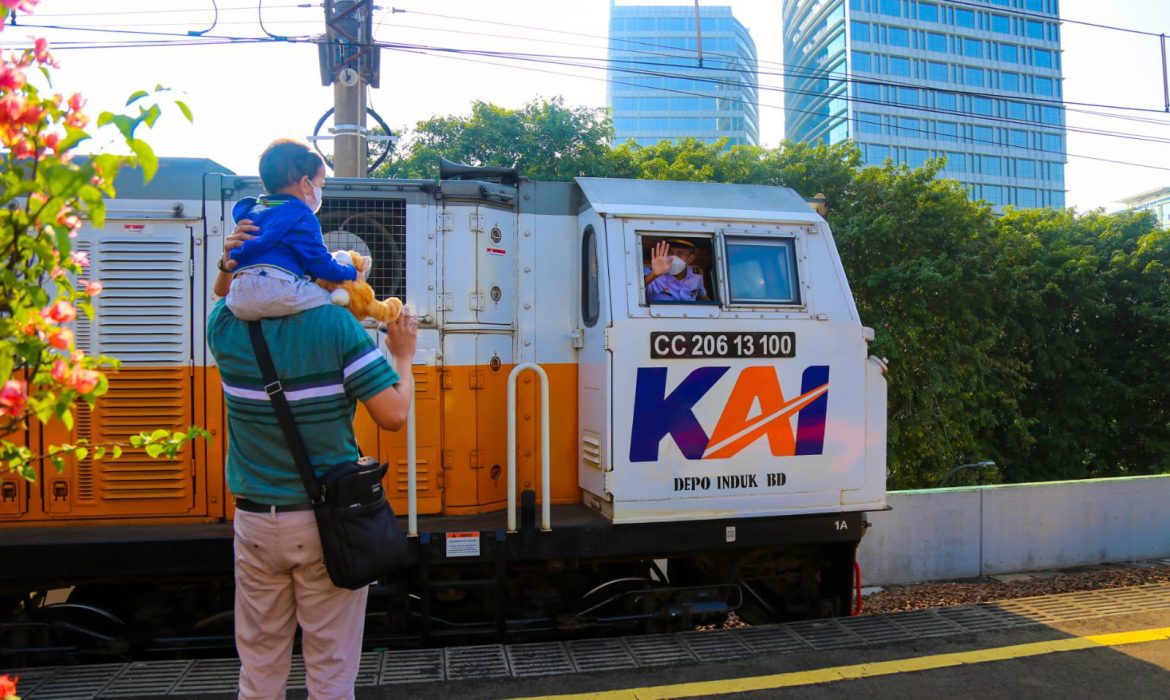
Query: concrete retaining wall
[963, 532]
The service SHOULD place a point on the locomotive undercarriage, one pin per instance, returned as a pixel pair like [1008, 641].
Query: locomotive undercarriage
[584, 579]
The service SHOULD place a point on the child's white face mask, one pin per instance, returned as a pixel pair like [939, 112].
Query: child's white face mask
[315, 203]
[677, 265]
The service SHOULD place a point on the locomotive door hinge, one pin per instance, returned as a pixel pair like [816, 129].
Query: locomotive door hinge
[473, 457]
[475, 220]
[475, 379]
[475, 302]
[608, 345]
[441, 480]
[446, 381]
[578, 338]
[446, 302]
[608, 484]
[446, 223]
[448, 460]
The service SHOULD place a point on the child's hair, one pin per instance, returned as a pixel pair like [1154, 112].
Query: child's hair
[285, 162]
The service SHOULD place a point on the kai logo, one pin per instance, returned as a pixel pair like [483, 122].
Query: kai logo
[756, 408]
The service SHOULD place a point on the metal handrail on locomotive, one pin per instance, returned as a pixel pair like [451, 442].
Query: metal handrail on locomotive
[714, 435]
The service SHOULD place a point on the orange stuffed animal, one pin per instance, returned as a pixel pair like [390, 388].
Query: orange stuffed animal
[358, 296]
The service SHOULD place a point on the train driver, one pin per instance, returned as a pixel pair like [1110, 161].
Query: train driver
[669, 277]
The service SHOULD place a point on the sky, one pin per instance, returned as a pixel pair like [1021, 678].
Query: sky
[243, 95]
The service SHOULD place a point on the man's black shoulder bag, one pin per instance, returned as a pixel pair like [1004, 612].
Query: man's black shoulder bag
[360, 538]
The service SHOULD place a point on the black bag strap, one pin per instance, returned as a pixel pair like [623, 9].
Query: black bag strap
[275, 392]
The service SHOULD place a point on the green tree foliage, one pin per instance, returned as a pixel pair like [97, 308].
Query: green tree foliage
[548, 140]
[1085, 307]
[916, 253]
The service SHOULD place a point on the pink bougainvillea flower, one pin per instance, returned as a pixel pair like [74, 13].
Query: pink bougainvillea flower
[11, 78]
[93, 288]
[84, 380]
[11, 107]
[8, 686]
[61, 311]
[52, 141]
[41, 51]
[24, 148]
[60, 371]
[33, 325]
[22, 6]
[61, 338]
[13, 398]
[76, 101]
[80, 258]
[65, 218]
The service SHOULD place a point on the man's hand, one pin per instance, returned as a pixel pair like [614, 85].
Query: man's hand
[236, 239]
[659, 260]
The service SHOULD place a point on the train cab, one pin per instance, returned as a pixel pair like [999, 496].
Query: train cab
[743, 388]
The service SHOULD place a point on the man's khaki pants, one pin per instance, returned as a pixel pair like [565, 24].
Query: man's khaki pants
[281, 581]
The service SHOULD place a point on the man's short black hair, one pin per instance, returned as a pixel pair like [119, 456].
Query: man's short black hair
[285, 162]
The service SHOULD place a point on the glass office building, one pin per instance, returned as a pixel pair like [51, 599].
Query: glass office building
[657, 89]
[976, 81]
[1156, 201]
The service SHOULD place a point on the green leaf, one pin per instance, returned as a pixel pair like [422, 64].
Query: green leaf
[185, 110]
[99, 452]
[136, 441]
[116, 451]
[150, 116]
[146, 157]
[137, 96]
[81, 453]
[154, 450]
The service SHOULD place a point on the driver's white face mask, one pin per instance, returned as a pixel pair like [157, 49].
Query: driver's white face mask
[677, 265]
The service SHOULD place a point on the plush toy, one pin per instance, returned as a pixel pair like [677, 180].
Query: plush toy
[358, 296]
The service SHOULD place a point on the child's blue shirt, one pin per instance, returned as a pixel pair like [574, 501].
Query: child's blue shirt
[289, 238]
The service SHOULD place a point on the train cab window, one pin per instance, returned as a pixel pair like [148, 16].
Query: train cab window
[678, 269]
[590, 290]
[762, 271]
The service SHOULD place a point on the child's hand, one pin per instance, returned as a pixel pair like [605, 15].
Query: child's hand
[402, 335]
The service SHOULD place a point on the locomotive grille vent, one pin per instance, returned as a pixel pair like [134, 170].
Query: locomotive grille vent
[83, 326]
[374, 227]
[139, 399]
[83, 424]
[143, 311]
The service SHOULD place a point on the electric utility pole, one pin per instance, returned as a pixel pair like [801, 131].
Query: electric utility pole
[349, 62]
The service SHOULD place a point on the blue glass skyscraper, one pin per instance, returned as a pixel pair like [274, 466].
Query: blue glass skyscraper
[976, 81]
[657, 89]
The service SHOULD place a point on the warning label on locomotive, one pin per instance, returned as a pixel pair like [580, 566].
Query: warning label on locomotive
[462, 544]
[704, 345]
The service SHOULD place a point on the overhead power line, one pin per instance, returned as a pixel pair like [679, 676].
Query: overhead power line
[674, 52]
[571, 61]
[459, 53]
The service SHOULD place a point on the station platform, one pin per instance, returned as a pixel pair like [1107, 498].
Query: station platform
[1055, 636]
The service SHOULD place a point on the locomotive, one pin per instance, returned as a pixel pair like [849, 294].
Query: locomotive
[581, 457]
